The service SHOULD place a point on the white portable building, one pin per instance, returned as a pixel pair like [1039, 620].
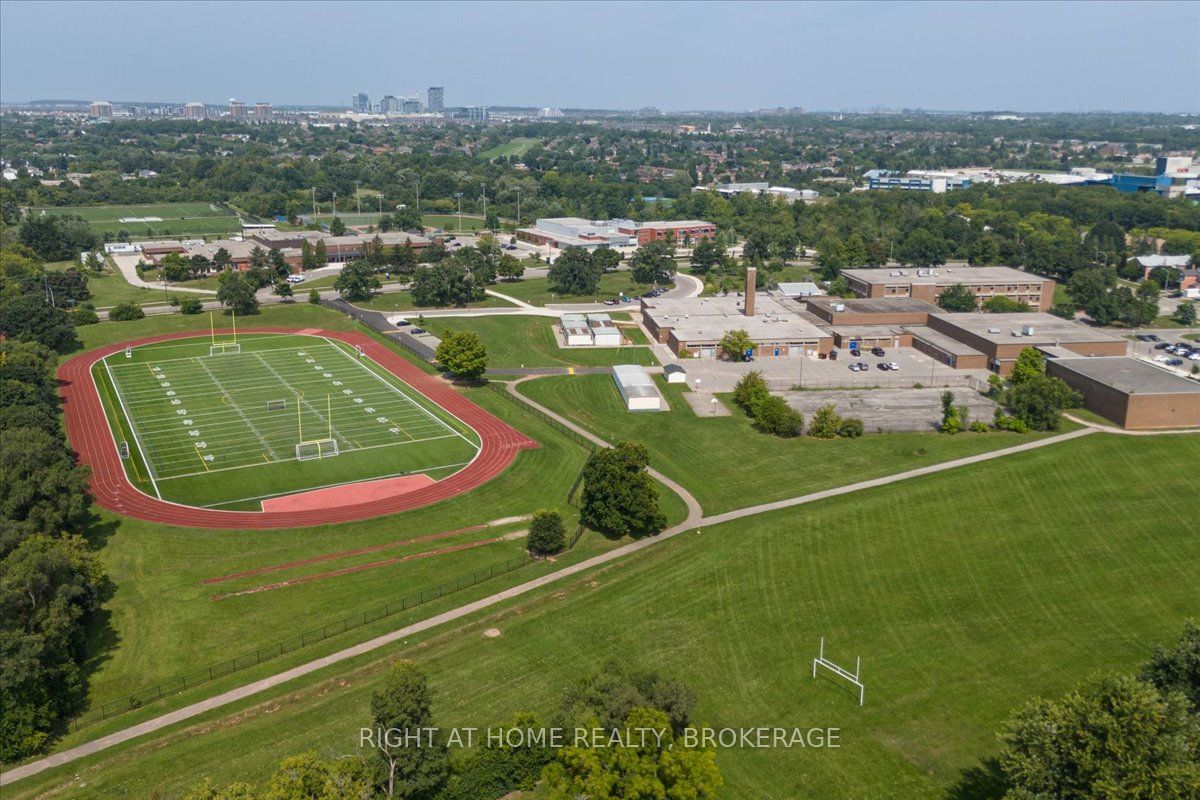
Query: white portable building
[575, 330]
[637, 388]
[604, 332]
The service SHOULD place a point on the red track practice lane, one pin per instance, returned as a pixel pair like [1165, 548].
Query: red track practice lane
[89, 434]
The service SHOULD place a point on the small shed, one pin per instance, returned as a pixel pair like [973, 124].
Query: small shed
[637, 388]
[575, 330]
[675, 373]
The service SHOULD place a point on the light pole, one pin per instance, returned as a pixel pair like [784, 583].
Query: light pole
[714, 406]
[358, 197]
[518, 191]
[458, 197]
[484, 189]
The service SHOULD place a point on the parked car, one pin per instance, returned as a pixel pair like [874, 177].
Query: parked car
[883, 366]
[1174, 362]
[855, 352]
[878, 351]
[1162, 346]
[418, 331]
[1142, 337]
[833, 355]
[296, 278]
[403, 323]
[610, 302]
[1153, 337]
[1194, 355]
[1162, 359]
[892, 365]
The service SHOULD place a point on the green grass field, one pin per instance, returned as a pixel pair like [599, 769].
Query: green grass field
[517, 146]
[966, 594]
[523, 341]
[162, 219]
[229, 429]
[452, 222]
[536, 291]
[727, 464]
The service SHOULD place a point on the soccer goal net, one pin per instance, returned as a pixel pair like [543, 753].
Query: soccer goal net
[276, 405]
[321, 448]
[224, 348]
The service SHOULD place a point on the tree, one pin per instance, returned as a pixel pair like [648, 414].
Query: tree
[825, 423]
[757, 248]
[736, 344]
[190, 305]
[653, 262]
[462, 354]
[221, 259]
[403, 706]
[1000, 304]
[1030, 364]
[283, 289]
[85, 314]
[750, 389]
[547, 533]
[29, 318]
[307, 261]
[277, 264]
[43, 488]
[1116, 737]
[125, 312]
[1089, 290]
[56, 237]
[446, 283]
[1039, 401]
[574, 272]
[1177, 668]
[337, 227]
[606, 259]
[706, 255]
[314, 296]
[307, 777]
[619, 496]
[1185, 314]
[510, 268]
[923, 248]
[236, 292]
[258, 257]
[951, 421]
[356, 282]
[956, 298]
[320, 256]
[773, 415]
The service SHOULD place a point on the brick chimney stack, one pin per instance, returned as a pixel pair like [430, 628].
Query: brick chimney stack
[751, 274]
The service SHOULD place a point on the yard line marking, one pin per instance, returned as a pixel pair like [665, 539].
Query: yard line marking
[395, 389]
[132, 428]
[237, 408]
[333, 430]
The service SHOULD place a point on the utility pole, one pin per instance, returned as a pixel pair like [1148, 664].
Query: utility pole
[418, 195]
[358, 197]
[518, 191]
[458, 197]
[314, 196]
[484, 189]
[335, 204]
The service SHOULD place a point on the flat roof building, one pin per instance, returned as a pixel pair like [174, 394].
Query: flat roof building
[694, 326]
[1002, 337]
[928, 283]
[637, 388]
[1130, 392]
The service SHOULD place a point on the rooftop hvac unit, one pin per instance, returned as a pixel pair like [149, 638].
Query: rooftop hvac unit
[895, 274]
[1027, 330]
[840, 307]
[993, 330]
[1014, 333]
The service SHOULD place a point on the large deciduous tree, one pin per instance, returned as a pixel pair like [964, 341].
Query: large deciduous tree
[415, 763]
[236, 292]
[574, 272]
[619, 496]
[356, 282]
[957, 298]
[463, 354]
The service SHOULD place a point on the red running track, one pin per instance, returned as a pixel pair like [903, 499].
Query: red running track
[89, 434]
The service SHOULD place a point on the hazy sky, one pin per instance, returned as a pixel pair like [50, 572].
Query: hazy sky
[698, 55]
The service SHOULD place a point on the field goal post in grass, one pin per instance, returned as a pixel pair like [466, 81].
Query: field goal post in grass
[841, 672]
[223, 347]
[309, 449]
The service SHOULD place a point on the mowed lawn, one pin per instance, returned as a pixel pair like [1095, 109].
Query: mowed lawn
[966, 594]
[173, 218]
[613, 285]
[727, 464]
[524, 341]
[517, 146]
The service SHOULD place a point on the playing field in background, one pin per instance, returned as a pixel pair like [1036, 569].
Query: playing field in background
[222, 422]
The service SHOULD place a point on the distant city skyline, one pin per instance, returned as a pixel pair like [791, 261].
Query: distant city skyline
[714, 56]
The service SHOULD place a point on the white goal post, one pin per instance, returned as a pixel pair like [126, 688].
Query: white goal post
[224, 348]
[852, 677]
[319, 448]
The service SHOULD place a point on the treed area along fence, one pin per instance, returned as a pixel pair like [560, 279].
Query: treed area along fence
[293, 643]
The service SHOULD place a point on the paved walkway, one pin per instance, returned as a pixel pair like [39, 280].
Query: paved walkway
[128, 266]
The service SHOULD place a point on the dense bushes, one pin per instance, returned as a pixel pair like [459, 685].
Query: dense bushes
[49, 582]
[771, 414]
[547, 533]
[125, 312]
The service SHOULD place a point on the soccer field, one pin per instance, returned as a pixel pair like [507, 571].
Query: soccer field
[159, 219]
[231, 425]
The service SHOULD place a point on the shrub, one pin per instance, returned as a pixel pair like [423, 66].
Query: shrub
[125, 312]
[314, 297]
[190, 305]
[750, 388]
[825, 423]
[773, 415]
[547, 533]
[979, 426]
[86, 315]
[1003, 422]
[851, 428]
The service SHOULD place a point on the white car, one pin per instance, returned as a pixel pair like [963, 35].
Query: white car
[892, 365]
[296, 279]
[1162, 359]
[1194, 357]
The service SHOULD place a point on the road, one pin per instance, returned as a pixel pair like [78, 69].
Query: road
[694, 520]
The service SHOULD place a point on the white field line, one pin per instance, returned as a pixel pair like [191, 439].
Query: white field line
[239, 411]
[189, 343]
[396, 389]
[253, 465]
[132, 429]
[336, 434]
[343, 483]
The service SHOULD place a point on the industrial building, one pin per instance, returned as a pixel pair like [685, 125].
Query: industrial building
[1130, 392]
[936, 182]
[637, 388]
[761, 188]
[928, 284]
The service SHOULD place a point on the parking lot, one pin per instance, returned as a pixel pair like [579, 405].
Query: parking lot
[892, 409]
[813, 373]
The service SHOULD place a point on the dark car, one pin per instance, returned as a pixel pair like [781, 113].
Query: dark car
[1142, 337]
[883, 366]
[833, 355]
[1162, 345]
[1152, 337]
[1174, 362]
[418, 331]
[403, 323]
[878, 351]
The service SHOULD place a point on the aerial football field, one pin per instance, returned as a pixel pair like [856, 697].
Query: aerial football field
[222, 424]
